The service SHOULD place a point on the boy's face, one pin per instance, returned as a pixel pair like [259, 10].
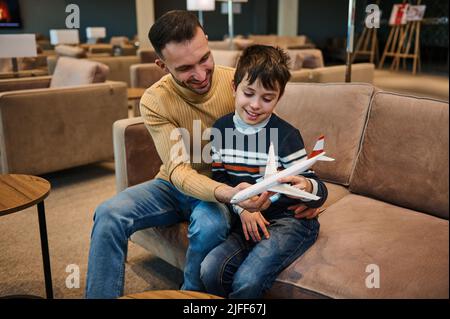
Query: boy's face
[253, 102]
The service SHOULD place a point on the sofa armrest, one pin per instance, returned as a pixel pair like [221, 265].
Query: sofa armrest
[145, 75]
[17, 84]
[136, 158]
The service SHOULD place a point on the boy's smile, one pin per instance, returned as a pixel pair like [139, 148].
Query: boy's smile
[253, 102]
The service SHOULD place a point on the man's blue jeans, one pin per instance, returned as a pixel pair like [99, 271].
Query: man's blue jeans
[238, 268]
[154, 203]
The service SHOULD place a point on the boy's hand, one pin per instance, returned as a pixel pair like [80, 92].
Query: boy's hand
[302, 211]
[299, 182]
[250, 223]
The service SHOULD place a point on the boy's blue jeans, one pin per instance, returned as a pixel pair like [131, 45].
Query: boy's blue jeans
[238, 268]
[154, 203]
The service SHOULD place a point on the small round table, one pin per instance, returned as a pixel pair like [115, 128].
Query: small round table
[18, 192]
[171, 294]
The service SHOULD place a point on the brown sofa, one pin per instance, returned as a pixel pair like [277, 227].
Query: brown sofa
[387, 208]
[45, 129]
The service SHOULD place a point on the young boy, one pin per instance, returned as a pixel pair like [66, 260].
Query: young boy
[240, 267]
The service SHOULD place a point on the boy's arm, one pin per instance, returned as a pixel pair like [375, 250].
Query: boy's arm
[292, 150]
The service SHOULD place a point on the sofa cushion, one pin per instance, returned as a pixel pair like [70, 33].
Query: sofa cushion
[70, 51]
[409, 248]
[339, 112]
[170, 243]
[307, 58]
[70, 72]
[404, 156]
[226, 57]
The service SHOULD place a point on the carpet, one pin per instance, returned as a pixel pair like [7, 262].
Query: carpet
[69, 209]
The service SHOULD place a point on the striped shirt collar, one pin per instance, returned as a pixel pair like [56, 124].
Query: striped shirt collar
[248, 129]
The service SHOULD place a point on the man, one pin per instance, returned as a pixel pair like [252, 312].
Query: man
[195, 91]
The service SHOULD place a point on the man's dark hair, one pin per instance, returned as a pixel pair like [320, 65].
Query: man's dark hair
[266, 63]
[173, 26]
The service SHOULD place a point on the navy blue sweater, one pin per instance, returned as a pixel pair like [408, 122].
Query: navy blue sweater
[239, 157]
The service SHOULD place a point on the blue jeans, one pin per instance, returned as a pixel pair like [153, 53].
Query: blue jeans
[238, 268]
[150, 204]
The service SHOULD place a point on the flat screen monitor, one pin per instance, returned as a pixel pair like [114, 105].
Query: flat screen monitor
[10, 14]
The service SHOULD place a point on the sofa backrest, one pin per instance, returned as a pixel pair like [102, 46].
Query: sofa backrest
[339, 112]
[404, 154]
[226, 57]
[119, 67]
[145, 75]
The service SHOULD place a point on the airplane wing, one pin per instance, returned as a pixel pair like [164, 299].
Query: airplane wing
[271, 165]
[293, 191]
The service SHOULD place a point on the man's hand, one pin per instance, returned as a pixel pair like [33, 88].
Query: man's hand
[302, 211]
[250, 223]
[224, 193]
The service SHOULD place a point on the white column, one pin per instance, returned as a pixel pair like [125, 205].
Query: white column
[287, 17]
[145, 16]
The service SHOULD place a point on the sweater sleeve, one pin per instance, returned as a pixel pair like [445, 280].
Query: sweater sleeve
[292, 151]
[173, 154]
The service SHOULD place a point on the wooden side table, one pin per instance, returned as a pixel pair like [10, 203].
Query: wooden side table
[171, 294]
[134, 95]
[18, 192]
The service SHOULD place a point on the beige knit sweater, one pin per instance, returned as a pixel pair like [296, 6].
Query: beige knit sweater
[166, 106]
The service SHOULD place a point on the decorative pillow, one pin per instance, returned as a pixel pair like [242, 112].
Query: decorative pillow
[312, 58]
[70, 51]
[296, 63]
[70, 72]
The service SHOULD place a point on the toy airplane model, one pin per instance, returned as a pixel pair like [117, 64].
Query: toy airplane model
[271, 176]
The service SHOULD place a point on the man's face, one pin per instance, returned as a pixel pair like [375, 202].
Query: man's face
[190, 63]
[253, 102]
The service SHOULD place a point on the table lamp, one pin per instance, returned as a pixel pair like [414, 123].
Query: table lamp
[201, 5]
[17, 46]
[95, 33]
[64, 36]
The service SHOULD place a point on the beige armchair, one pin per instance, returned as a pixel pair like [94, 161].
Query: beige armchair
[45, 129]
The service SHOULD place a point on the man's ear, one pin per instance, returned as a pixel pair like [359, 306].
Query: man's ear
[233, 87]
[161, 64]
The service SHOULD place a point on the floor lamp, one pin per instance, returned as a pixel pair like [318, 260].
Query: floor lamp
[200, 6]
[17, 46]
[230, 18]
[350, 37]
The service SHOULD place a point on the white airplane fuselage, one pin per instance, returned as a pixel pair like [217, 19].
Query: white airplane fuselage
[272, 180]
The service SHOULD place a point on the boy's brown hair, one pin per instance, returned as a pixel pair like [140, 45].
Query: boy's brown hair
[266, 63]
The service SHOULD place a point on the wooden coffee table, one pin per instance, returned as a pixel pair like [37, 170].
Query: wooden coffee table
[171, 294]
[18, 192]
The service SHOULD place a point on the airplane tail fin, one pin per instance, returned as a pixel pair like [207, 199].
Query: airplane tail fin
[318, 149]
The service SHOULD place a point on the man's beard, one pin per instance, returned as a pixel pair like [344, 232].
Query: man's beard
[182, 84]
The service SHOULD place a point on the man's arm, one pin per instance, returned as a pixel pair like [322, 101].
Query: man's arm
[180, 173]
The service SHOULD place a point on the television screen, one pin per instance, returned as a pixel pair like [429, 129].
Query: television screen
[10, 14]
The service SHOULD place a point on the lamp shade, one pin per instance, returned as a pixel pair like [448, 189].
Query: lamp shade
[64, 36]
[17, 45]
[96, 32]
[201, 5]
